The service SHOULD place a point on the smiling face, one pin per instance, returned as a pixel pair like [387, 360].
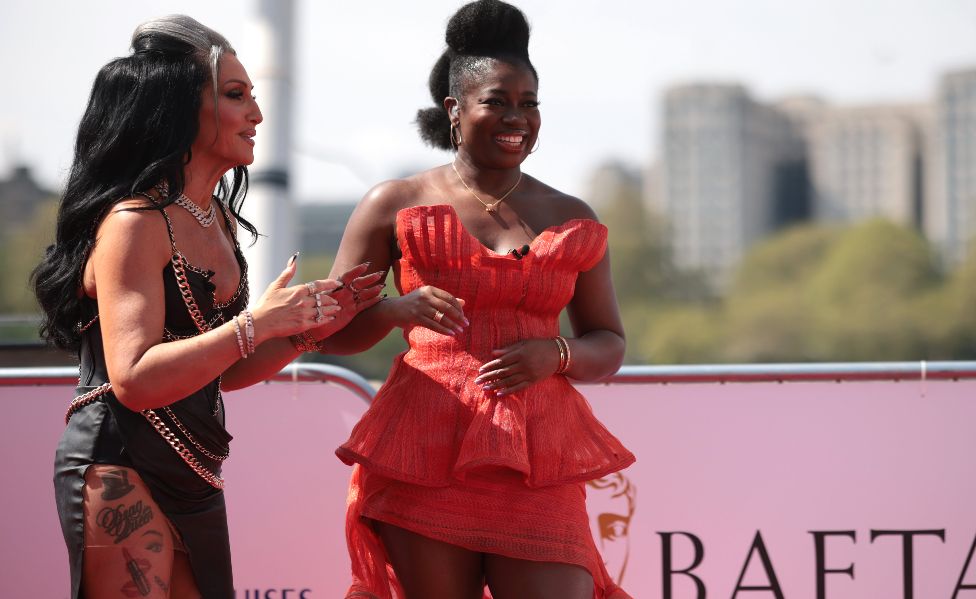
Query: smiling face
[227, 126]
[498, 115]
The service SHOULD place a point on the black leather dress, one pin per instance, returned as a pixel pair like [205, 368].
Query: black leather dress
[106, 432]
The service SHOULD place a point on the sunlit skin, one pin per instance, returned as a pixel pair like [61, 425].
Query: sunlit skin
[133, 248]
[110, 562]
[499, 120]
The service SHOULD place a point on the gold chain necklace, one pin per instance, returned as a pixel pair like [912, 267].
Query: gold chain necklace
[493, 206]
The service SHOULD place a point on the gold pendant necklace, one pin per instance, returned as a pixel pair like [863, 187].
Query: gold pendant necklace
[493, 206]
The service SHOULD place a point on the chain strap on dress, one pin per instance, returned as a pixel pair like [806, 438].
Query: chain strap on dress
[212, 479]
[183, 283]
[179, 271]
[85, 399]
[164, 431]
[191, 439]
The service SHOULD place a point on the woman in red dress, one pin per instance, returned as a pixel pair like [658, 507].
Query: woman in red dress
[471, 462]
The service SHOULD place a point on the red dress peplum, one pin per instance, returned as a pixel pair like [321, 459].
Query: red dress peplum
[437, 455]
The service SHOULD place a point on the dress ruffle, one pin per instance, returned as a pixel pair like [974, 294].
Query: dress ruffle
[431, 433]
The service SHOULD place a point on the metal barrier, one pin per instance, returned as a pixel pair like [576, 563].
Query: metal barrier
[702, 373]
[295, 372]
[784, 373]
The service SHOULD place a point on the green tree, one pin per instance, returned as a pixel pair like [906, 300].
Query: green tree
[863, 294]
[766, 312]
[20, 251]
[951, 316]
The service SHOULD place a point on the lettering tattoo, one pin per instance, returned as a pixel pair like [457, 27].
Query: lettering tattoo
[115, 484]
[122, 521]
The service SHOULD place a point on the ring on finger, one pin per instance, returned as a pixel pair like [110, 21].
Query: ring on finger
[438, 316]
[318, 301]
[311, 288]
[318, 314]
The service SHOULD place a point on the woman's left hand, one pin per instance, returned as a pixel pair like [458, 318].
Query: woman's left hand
[356, 292]
[519, 365]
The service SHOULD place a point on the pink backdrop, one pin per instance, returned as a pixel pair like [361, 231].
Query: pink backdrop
[717, 465]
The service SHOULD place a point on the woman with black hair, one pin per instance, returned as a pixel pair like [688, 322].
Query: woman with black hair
[147, 282]
[470, 463]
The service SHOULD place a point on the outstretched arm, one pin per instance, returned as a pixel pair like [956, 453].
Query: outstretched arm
[370, 237]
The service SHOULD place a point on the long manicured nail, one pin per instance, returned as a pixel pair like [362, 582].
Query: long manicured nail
[293, 258]
[467, 322]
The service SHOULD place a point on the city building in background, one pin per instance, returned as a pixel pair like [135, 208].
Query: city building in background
[866, 162]
[20, 196]
[950, 205]
[734, 170]
[610, 180]
[726, 161]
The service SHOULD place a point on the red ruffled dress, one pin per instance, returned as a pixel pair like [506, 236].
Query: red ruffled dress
[437, 455]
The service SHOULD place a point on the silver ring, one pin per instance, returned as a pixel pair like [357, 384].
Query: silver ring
[438, 316]
[318, 301]
[311, 288]
[318, 314]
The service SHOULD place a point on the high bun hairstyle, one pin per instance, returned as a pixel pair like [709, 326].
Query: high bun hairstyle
[478, 33]
[137, 131]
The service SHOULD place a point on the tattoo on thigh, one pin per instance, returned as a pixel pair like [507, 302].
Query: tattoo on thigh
[161, 584]
[122, 521]
[137, 572]
[116, 484]
[153, 540]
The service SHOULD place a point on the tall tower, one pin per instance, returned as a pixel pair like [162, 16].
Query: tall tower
[950, 209]
[719, 176]
[267, 52]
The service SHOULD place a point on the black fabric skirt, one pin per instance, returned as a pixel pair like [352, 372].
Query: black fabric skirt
[105, 432]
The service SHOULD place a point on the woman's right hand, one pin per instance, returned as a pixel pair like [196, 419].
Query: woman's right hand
[430, 307]
[284, 311]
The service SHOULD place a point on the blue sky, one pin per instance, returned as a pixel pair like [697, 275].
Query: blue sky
[361, 70]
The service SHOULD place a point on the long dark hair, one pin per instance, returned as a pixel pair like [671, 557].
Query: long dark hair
[141, 119]
[478, 33]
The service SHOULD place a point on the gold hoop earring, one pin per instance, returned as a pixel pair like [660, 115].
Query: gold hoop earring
[456, 142]
[536, 148]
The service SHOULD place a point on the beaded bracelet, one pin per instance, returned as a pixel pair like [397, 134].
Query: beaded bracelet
[304, 343]
[240, 340]
[249, 329]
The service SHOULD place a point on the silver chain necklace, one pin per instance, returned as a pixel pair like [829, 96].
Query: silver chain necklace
[204, 218]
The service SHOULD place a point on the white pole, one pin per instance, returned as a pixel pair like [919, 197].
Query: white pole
[266, 53]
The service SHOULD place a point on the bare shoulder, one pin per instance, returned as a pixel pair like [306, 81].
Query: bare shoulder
[385, 199]
[562, 206]
[138, 224]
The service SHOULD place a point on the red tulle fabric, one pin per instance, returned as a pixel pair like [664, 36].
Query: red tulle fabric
[437, 455]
